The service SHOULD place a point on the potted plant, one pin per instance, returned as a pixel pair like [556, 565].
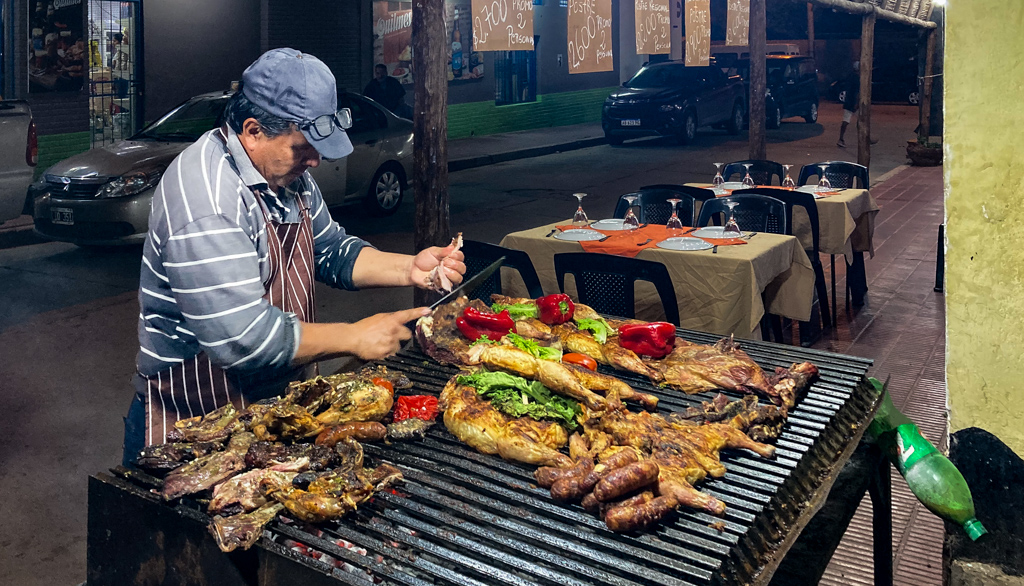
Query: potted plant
[923, 153]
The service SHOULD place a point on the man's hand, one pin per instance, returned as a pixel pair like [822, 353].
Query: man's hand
[424, 262]
[373, 338]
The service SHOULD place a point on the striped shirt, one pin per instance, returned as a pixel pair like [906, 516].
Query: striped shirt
[205, 263]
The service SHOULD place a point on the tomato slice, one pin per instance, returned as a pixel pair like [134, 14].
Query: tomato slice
[383, 382]
[580, 359]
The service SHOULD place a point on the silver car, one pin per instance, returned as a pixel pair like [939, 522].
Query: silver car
[18, 156]
[102, 196]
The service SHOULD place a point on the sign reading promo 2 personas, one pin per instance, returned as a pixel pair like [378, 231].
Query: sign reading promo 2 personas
[503, 25]
[698, 32]
[737, 29]
[652, 27]
[590, 36]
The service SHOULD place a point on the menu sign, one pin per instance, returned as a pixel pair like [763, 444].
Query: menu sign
[590, 36]
[738, 23]
[503, 25]
[698, 32]
[652, 27]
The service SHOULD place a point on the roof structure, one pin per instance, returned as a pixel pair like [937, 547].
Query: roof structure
[909, 12]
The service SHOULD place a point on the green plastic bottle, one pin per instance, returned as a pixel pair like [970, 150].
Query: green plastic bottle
[934, 480]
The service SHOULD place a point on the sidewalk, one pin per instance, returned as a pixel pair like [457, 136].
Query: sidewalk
[477, 151]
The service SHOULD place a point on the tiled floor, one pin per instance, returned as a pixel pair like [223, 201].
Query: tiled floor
[902, 327]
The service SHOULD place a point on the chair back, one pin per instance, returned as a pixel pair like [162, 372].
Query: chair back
[655, 207]
[841, 174]
[605, 282]
[697, 194]
[792, 199]
[762, 172]
[754, 212]
[480, 255]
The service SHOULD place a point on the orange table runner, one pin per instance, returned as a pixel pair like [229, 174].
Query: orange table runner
[629, 243]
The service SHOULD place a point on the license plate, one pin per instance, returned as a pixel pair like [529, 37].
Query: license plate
[62, 216]
[631, 122]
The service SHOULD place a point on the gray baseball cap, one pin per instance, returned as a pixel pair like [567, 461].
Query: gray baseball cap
[299, 88]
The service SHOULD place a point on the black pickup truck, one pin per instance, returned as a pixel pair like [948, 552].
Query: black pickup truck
[670, 99]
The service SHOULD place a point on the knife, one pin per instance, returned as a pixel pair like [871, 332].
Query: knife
[470, 284]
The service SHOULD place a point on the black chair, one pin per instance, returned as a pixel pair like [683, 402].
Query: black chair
[841, 174]
[695, 193]
[480, 255]
[793, 199]
[754, 212]
[762, 172]
[605, 282]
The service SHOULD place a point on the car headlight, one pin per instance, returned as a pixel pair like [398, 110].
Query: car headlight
[669, 107]
[129, 184]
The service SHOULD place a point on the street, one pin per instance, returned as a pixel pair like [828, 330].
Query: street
[68, 316]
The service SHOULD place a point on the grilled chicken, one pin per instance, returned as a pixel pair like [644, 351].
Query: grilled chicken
[243, 491]
[282, 421]
[330, 496]
[356, 400]
[554, 375]
[242, 530]
[610, 353]
[474, 421]
[760, 422]
[209, 470]
[217, 425]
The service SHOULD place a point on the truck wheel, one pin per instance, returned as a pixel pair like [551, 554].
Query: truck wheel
[812, 114]
[736, 120]
[689, 130]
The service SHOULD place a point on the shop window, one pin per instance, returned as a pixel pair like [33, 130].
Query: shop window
[515, 76]
[113, 70]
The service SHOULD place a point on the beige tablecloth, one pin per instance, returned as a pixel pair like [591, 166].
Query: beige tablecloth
[718, 293]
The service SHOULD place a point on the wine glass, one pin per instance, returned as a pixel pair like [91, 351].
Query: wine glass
[731, 229]
[823, 183]
[748, 181]
[674, 224]
[788, 182]
[580, 219]
[630, 222]
[718, 180]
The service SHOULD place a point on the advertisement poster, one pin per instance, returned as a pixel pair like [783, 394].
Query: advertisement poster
[57, 53]
[392, 40]
[737, 28]
[590, 36]
[652, 27]
[503, 25]
[698, 32]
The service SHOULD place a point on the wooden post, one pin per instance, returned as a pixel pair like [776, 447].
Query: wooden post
[925, 129]
[758, 81]
[430, 131]
[810, 29]
[867, 51]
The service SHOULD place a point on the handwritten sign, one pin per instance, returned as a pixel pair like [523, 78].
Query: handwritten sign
[590, 36]
[652, 27]
[737, 23]
[698, 32]
[503, 25]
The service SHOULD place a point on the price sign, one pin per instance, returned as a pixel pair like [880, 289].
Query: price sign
[502, 25]
[590, 36]
[652, 27]
[698, 32]
[738, 23]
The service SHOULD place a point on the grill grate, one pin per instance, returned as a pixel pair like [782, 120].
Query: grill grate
[462, 517]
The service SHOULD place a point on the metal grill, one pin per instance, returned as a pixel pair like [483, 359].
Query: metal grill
[462, 517]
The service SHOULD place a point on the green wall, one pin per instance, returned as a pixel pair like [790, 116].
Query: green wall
[479, 118]
[984, 174]
[54, 148]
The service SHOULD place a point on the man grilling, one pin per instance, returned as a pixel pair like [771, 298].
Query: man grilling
[238, 231]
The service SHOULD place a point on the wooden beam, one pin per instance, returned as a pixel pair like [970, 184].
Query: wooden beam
[810, 29]
[430, 131]
[758, 82]
[864, 8]
[867, 52]
[926, 86]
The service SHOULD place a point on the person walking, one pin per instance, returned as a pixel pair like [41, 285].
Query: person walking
[850, 100]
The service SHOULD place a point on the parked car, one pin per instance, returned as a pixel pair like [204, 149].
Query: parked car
[103, 196]
[792, 83]
[18, 156]
[670, 99]
[889, 83]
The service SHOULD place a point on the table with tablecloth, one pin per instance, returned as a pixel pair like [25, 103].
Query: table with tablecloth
[716, 292]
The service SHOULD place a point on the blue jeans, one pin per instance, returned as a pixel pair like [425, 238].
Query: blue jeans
[134, 431]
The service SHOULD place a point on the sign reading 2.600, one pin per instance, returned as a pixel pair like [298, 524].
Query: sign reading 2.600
[503, 25]
[590, 36]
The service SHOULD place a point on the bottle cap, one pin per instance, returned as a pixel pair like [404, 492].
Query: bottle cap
[974, 528]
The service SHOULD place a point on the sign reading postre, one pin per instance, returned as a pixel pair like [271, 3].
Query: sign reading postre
[738, 23]
[503, 25]
[590, 36]
[652, 27]
[698, 33]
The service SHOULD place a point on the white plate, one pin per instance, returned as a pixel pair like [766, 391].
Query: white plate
[683, 243]
[733, 185]
[808, 189]
[579, 235]
[610, 224]
[711, 232]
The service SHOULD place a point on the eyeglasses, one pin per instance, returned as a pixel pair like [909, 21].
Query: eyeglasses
[324, 126]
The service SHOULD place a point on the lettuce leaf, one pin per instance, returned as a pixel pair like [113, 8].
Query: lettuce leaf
[518, 311]
[598, 327]
[534, 347]
[517, 397]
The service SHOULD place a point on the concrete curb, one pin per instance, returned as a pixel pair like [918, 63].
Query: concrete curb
[484, 160]
[18, 232]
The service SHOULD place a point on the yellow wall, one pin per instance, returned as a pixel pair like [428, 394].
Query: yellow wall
[984, 173]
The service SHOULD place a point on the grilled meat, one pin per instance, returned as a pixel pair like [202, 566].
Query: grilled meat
[217, 425]
[412, 428]
[614, 388]
[610, 353]
[243, 490]
[474, 421]
[789, 384]
[330, 496]
[760, 422]
[554, 375]
[436, 279]
[209, 470]
[162, 458]
[360, 430]
[438, 335]
[295, 457]
[282, 421]
[355, 400]
[242, 530]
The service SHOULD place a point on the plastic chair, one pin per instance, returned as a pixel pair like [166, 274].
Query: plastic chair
[754, 212]
[696, 194]
[841, 174]
[654, 206]
[763, 172]
[479, 255]
[605, 282]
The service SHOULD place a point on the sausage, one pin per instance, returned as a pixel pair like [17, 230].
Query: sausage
[626, 479]
[360, 430]
[622, 457]
[591, 504]
[547, 476]
[632, 518]
[576, 484]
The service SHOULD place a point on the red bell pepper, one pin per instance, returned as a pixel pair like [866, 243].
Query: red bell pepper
[655, 339]
[474, 324]
[556, 309]
[419, 406]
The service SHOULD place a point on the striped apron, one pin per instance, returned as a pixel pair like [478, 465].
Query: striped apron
[196, 386]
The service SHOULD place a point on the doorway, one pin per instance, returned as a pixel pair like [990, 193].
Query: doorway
[114, 70]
